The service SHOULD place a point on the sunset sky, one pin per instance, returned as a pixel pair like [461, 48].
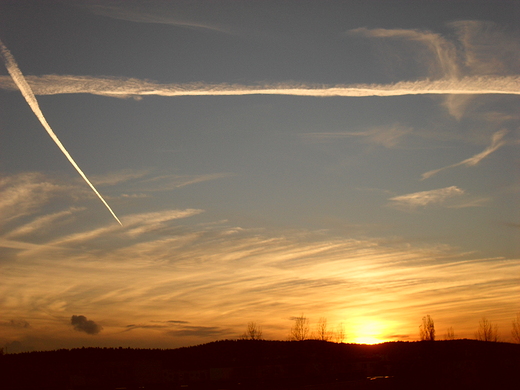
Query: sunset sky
[350, 160]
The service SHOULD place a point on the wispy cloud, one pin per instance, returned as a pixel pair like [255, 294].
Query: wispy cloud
[145, 272]
[443, 51]
[18, 323]
[123, 176]
[425, 198]
[25, 89]
[24, 193]
[481, 49]
[40, 223]
[202, 332]
[182, 14]
[135, 225]
[496, 142]
[247, 275]
[169, 182]
[488, 49]
[386, 136]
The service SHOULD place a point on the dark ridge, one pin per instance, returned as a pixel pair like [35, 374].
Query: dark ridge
[262, 364]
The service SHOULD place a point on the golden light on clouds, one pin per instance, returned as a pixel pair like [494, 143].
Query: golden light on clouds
[163, 279]
[360, 175]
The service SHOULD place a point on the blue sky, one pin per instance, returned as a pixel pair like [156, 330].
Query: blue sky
[355, 161]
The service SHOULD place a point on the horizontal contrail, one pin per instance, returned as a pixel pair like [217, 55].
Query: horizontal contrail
[25, 89]
[127, 87]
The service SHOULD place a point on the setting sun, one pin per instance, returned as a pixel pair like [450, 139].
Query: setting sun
[367, 340]
[256, 162]
[368, 332]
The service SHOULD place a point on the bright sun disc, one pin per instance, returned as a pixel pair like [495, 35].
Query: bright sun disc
[367, 340]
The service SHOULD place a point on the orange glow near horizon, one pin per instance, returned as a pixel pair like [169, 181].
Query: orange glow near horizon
[367, 340]
[369, 332]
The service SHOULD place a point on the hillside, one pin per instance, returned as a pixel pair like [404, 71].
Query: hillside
[245, 364]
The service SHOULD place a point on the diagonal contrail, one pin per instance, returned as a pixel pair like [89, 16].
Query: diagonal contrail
[25, 89]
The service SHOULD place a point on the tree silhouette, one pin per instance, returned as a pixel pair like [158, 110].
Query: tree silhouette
[486, 331]
[515, 332]
[253, 332]
[300, 329]
[427, 329]
[322, 332]
[450, 334]
[339, 334]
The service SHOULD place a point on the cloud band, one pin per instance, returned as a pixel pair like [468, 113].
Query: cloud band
[128, 87]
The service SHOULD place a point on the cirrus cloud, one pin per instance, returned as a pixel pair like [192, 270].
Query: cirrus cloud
[425, 198]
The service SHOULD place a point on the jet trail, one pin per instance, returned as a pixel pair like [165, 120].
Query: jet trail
[25, 89]
[124, 88]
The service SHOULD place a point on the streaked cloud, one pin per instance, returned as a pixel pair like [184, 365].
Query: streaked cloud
[24, 193]
[443, 51]
[425, 198]
[181, 14]
[496, 142]
[169, 182]
[18, 323]
[481, 49]
[254, 276]
[196, 272]
[40, 223]
[196, 259]
[488, 48]
[112, 178]
[386, 136]
[202, 332]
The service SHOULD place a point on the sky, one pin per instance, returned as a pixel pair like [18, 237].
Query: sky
[171, 171]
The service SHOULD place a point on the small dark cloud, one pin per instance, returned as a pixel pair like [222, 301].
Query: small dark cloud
[16, 324]
[81, 324]
[172, 322]
[141, 326]
[155, 325]
[398, 336]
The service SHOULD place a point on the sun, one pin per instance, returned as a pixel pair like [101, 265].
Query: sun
[367, 340]
[369, 332]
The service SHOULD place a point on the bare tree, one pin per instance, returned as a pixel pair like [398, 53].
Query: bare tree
[515, 332]
[427, 329]
[450, 334]
[253, 332]
[300, 329]
[339, 334]
[486, 331]
[322, 332]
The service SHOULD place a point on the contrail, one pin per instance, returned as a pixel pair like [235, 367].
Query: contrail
[130, 87]
[25, 89]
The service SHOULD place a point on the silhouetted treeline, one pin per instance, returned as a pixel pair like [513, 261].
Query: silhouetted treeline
[261, 364]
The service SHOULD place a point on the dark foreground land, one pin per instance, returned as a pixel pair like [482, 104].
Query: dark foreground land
[246, 364]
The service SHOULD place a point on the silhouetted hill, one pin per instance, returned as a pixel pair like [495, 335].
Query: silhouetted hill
[246, 364]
